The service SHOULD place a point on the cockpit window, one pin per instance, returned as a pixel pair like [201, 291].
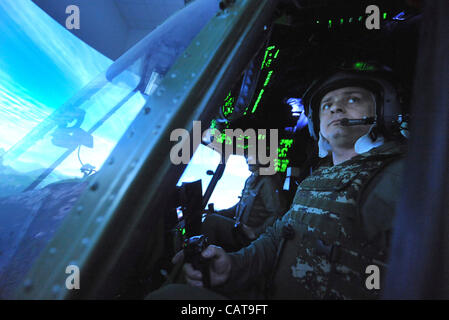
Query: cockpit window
[203, 160]
[230, 186]
[64, 107]
[228, 189]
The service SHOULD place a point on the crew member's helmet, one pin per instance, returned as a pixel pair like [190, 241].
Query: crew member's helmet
[372, 76]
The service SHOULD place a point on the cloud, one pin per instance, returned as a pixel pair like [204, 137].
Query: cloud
[19, 112]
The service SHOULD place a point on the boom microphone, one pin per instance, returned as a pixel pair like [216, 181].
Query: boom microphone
[357, 122]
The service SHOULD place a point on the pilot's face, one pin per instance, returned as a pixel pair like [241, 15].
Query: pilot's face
[347, 102]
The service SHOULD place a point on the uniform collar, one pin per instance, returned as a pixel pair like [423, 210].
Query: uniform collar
[365, 143]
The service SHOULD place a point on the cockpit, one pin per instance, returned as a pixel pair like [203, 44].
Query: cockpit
[110, 158]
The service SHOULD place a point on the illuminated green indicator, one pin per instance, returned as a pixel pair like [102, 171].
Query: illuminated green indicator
[267, 61]
[363, 66]
[318, 21]
[360, 18]
[342, 20]
[183, 231]
[224, 138]
[281, 165]
[385, 15]
[330, 23]
[284, 146]
[240, 140]
[358, 65]
[267, 80]
[264, 59]
[228, 106]
[243, 138]
[282, 162]
[286, 142]
[350, 20]
[258, 100]
[282, 152]
[266, 56]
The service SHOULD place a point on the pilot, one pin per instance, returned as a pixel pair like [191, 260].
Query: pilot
[333, 242]
[260, 204]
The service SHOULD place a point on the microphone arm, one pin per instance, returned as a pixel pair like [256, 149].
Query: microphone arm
[357, 122]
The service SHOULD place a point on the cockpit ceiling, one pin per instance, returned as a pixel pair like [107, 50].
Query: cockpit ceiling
[113, 26]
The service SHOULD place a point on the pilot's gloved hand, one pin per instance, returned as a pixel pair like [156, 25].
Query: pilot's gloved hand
[220, 267]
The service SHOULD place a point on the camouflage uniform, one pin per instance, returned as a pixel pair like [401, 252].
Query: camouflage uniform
[342, 218]
[260, 205]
